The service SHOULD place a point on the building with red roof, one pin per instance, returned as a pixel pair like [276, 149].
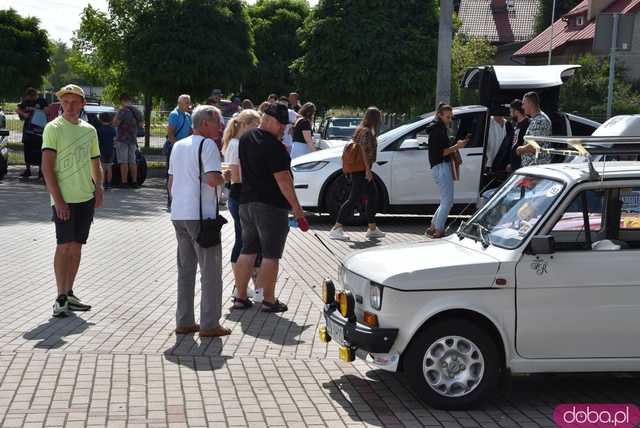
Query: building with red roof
[507, 24]
[574, 32]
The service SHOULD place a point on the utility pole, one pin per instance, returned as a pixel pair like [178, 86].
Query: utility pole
[553, 18]
[445, 34]
[612, 64]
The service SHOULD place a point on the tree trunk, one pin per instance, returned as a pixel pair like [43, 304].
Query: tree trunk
[147, 120]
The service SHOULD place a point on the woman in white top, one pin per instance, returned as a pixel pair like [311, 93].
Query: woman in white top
[302, 137]
[238, 125]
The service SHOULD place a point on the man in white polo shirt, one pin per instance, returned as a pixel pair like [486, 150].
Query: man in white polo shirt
[186, 187]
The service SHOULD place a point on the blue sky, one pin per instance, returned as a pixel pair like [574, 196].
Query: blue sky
[60, 17]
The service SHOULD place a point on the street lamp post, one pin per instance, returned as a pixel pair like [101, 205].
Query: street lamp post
[553, 18]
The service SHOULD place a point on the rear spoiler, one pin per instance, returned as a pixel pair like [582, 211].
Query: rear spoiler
[586, 147]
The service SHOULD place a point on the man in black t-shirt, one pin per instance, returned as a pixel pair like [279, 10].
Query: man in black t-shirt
[33, 111]
[521, 123]
[267, 196]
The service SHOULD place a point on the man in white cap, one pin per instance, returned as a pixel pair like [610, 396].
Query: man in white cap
[72, 172]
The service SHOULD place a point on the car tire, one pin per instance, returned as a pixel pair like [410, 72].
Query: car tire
[336, 194]
[453, 364]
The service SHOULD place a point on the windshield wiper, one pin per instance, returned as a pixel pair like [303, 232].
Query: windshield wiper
[481, 233]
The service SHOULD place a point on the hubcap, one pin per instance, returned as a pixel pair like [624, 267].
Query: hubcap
[453, 366]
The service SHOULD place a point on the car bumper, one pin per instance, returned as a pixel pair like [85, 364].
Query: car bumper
[351, 335]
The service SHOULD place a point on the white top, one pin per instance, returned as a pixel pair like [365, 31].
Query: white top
[497, 133]
[232, 154]
[287, 139]
[183, 166]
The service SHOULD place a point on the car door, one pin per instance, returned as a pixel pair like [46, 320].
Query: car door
[583, 301]
[475, 124]
[411, 180]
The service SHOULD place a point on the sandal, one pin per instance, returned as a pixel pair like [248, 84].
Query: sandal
[216, 332]
[241, 304]
[277, 306]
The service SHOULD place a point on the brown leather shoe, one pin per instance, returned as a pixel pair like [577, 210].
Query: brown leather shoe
[215, 332]
[188, 329]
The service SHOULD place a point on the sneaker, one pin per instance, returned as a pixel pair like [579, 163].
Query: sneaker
[250, 292]
[338, 234]
[75, 304]
[375, 234]
[61, 307]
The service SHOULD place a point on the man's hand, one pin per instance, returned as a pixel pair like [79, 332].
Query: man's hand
[227, 175]
[99, 197]
[303, 224]
[62, 211]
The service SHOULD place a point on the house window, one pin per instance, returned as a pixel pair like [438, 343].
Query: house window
[580, 21]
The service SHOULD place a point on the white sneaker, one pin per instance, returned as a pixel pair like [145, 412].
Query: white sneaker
[258, 296]
[338, 234]
[375, 234]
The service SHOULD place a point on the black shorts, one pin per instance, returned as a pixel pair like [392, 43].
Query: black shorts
[264, 229]
[76, 229]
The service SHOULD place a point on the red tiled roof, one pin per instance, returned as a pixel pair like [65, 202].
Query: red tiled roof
[563, 34]
[516, 25]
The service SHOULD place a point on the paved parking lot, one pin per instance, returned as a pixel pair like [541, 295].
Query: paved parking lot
[121, 365]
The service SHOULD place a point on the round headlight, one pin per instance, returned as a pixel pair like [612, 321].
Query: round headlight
[347, 304]
[328, 292]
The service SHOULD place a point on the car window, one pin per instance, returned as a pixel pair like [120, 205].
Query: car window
[579, 129]
[570, 231]
[472, 124]
[630, 209]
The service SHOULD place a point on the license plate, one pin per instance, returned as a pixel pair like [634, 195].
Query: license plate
[335, 331]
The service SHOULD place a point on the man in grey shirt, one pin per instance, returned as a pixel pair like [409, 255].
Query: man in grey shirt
[539, 126]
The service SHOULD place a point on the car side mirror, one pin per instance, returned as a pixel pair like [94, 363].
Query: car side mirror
[542, 244]
[410, 144]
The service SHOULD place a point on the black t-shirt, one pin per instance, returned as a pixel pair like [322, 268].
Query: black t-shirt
[262, 155]
[438, 142]
[301, 125]
[520, 129]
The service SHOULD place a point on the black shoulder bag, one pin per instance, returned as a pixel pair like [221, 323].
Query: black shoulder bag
[209, 234]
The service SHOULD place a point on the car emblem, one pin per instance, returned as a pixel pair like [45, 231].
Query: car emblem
[540, 266]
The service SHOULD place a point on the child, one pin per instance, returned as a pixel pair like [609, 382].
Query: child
[106, 134]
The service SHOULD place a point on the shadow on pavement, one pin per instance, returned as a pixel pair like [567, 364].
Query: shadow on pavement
[266, 326]
[50, 334]
[28, 202]
[198, 356]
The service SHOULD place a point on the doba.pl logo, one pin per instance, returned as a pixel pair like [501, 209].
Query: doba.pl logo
[596, 416]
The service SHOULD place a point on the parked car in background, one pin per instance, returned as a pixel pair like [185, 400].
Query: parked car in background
[336, 131]
[543, 278]
[402, 171]
[93, 111]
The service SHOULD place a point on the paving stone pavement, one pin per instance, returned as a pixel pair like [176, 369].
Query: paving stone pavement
[121, 365]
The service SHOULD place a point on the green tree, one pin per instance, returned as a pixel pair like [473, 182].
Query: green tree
[467, 51]
[543, 19]
[377, 52]
[64, 70]
[274, 24]
[161, 48]
[24, 53]
[586, 92]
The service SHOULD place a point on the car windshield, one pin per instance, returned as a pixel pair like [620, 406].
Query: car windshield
[512, 214]
[339, 132]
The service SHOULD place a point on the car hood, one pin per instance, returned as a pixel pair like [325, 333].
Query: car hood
[319, 155]
[427, 265]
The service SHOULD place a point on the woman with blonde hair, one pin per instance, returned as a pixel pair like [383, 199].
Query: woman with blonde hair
[363, 185]
[238, 125]
[302, 138]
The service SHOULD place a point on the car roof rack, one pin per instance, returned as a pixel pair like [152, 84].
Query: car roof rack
[587, 147]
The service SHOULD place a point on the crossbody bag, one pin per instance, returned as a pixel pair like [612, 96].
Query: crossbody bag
[210, 229]
[167, 144]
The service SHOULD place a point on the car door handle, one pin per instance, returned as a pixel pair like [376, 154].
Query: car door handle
[382, 162]
[474, 154]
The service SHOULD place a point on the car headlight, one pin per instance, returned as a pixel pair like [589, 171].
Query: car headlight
[375, 295]
[346, 304]
[310, 166]
[328, 292]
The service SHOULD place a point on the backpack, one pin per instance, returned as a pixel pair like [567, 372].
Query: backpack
[352, 160]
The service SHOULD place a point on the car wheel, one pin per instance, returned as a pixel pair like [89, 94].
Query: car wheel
[453, 364]
[336, 195]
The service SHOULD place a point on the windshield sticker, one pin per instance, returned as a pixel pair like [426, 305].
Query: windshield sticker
[554, 190]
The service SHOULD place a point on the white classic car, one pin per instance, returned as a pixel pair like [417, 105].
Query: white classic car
[543, 278]
[402, 170]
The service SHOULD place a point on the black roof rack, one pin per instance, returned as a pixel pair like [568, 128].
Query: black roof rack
[586, 146]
